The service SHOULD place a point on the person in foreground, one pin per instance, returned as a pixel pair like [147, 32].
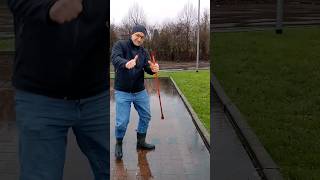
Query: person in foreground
[130, 61]
[60, 74]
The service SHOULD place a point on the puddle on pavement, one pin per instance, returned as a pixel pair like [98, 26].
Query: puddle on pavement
[180, 152]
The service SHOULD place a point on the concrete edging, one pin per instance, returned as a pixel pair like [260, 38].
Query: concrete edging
[261, 159]
[205, 135]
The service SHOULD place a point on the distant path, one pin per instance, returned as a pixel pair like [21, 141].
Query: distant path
[242, 16]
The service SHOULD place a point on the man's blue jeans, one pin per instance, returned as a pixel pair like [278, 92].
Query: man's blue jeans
[43, 124]
[141, 103]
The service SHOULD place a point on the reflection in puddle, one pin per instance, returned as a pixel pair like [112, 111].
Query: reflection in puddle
[143, 169]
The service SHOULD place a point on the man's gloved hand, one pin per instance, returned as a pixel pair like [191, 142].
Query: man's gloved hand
[130, 64]
[154, 67]
[65, 10]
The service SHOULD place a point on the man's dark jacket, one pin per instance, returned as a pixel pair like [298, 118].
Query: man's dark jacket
[62, 61]
[129, 80]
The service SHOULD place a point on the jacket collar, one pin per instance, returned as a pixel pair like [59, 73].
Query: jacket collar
[132, 44]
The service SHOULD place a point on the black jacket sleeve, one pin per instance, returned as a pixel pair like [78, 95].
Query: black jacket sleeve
[117, 56]
[37, 10]
[146, 67]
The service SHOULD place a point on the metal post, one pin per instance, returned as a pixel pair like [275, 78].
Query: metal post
[198, 37]
[279, 17]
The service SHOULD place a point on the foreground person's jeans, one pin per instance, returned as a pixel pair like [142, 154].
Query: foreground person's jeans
[43, 125]
[141, 103]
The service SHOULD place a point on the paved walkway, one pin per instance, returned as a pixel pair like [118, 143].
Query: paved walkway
[76, 165]
[8, 139]
[180, 152]
[230, 159]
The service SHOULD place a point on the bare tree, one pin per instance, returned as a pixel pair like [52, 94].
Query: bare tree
[205, 35]
[113, 34]
[188, 15]
[173, 40]
[134, 16]
[186, 22]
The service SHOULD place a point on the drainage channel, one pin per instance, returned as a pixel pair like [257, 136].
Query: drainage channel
[235, 145]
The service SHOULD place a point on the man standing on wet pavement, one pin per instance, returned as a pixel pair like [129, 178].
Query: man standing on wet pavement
[130, 61]
[61, 76]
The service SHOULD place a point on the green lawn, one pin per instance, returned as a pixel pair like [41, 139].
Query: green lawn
[275, 82]
[195, 86]
[6, 44]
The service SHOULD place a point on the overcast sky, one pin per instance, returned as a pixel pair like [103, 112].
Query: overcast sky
[156, 11]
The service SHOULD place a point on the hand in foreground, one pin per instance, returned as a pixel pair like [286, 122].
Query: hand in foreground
[154, 67]
[65, 10]
[130, 64]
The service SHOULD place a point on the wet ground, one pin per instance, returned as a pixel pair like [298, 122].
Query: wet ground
[8, 138]
[76, 166]
[180, 152]
[230, 158]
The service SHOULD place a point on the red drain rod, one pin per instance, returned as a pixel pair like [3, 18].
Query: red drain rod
[153, 59]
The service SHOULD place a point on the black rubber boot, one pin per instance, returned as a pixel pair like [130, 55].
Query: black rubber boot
[118, 151]
[141, 142]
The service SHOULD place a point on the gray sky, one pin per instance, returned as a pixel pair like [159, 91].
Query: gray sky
[156, 11]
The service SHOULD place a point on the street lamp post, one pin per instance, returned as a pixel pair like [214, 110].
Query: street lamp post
[198, 37]
[279, 16]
